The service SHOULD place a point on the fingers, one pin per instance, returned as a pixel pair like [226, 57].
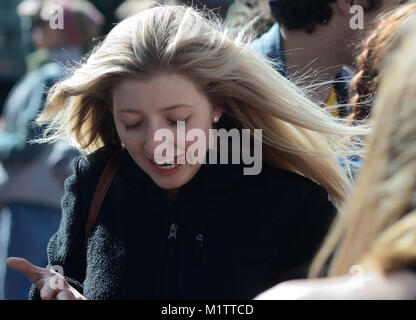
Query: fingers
[51, 284]
[47, 293]
[33, 273]
[65, 295]
[69, 295]
[61, 294]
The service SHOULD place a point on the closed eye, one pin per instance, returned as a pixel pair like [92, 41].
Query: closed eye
[132, 126]
[175, 122]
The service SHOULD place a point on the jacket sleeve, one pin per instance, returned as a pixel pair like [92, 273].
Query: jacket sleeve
[66, 247]
[308, 229]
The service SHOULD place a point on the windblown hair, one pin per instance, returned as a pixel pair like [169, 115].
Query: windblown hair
[306, 14]
[297, 134]
[365, 83]
[377, 226]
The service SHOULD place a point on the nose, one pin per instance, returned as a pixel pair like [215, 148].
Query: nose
[155, 137]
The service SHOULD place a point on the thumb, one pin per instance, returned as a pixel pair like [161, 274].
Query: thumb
[33, 273]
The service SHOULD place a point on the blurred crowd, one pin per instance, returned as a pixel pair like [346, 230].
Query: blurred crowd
[338, 66]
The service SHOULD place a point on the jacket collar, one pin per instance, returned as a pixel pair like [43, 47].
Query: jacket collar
[210, 178]
[270, 44]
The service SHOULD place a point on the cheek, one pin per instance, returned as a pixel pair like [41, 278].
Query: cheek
[204, 127]
[201, 121]
[121, 132]
[131, 140]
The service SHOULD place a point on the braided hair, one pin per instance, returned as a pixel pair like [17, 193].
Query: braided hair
[379, 42]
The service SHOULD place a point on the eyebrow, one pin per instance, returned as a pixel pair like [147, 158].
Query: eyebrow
[180, 105]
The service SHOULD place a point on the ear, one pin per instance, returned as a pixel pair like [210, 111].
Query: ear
[217, 112]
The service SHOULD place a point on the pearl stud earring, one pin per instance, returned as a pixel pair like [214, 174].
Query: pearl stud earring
[216, 118]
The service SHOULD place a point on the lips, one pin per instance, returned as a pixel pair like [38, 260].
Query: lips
[165, 169]
[166, 166]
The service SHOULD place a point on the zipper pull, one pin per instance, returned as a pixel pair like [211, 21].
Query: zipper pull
[172, 231]
[200, 239]
[198, 244]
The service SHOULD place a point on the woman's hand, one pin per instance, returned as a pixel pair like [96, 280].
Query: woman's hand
[51, 284]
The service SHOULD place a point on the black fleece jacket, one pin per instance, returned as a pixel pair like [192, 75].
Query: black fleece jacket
[227, 236]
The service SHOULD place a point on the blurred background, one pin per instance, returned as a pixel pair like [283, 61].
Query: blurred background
[15, 31]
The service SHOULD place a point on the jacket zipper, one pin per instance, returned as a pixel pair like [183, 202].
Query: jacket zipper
[168, 277]
[172, 241]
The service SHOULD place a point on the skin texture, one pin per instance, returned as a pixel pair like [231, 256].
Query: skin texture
[148, 100]
[398, 285]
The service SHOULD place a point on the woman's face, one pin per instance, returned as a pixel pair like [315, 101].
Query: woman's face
[142, 107]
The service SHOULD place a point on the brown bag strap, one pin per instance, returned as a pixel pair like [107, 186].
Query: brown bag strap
[106, 178]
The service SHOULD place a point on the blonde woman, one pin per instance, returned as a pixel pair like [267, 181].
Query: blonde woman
[370, 252]
[186, 229]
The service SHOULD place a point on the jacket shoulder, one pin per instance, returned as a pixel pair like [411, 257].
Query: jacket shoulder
[291, 181]
[97, 160]
[295, 192]
[89, 167]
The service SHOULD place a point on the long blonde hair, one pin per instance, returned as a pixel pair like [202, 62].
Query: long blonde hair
[298, 135]
[377, 227]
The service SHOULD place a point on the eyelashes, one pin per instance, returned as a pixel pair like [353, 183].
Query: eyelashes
[138, 124]
[133, 126]
[175, 122]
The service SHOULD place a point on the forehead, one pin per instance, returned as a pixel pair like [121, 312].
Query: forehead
[158, 91]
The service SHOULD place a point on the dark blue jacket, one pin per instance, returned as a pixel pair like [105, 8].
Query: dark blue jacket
[236, 235]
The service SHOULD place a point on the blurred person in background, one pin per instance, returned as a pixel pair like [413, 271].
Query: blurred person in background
[374, 236]
[243, 11]
[313, 43]
[373, 49]
[313, 40]
[220, 7]
[32, 176]
[130, 7]
[12, 66]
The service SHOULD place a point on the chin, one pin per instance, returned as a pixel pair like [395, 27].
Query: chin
[173, 181]
[167, 184]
